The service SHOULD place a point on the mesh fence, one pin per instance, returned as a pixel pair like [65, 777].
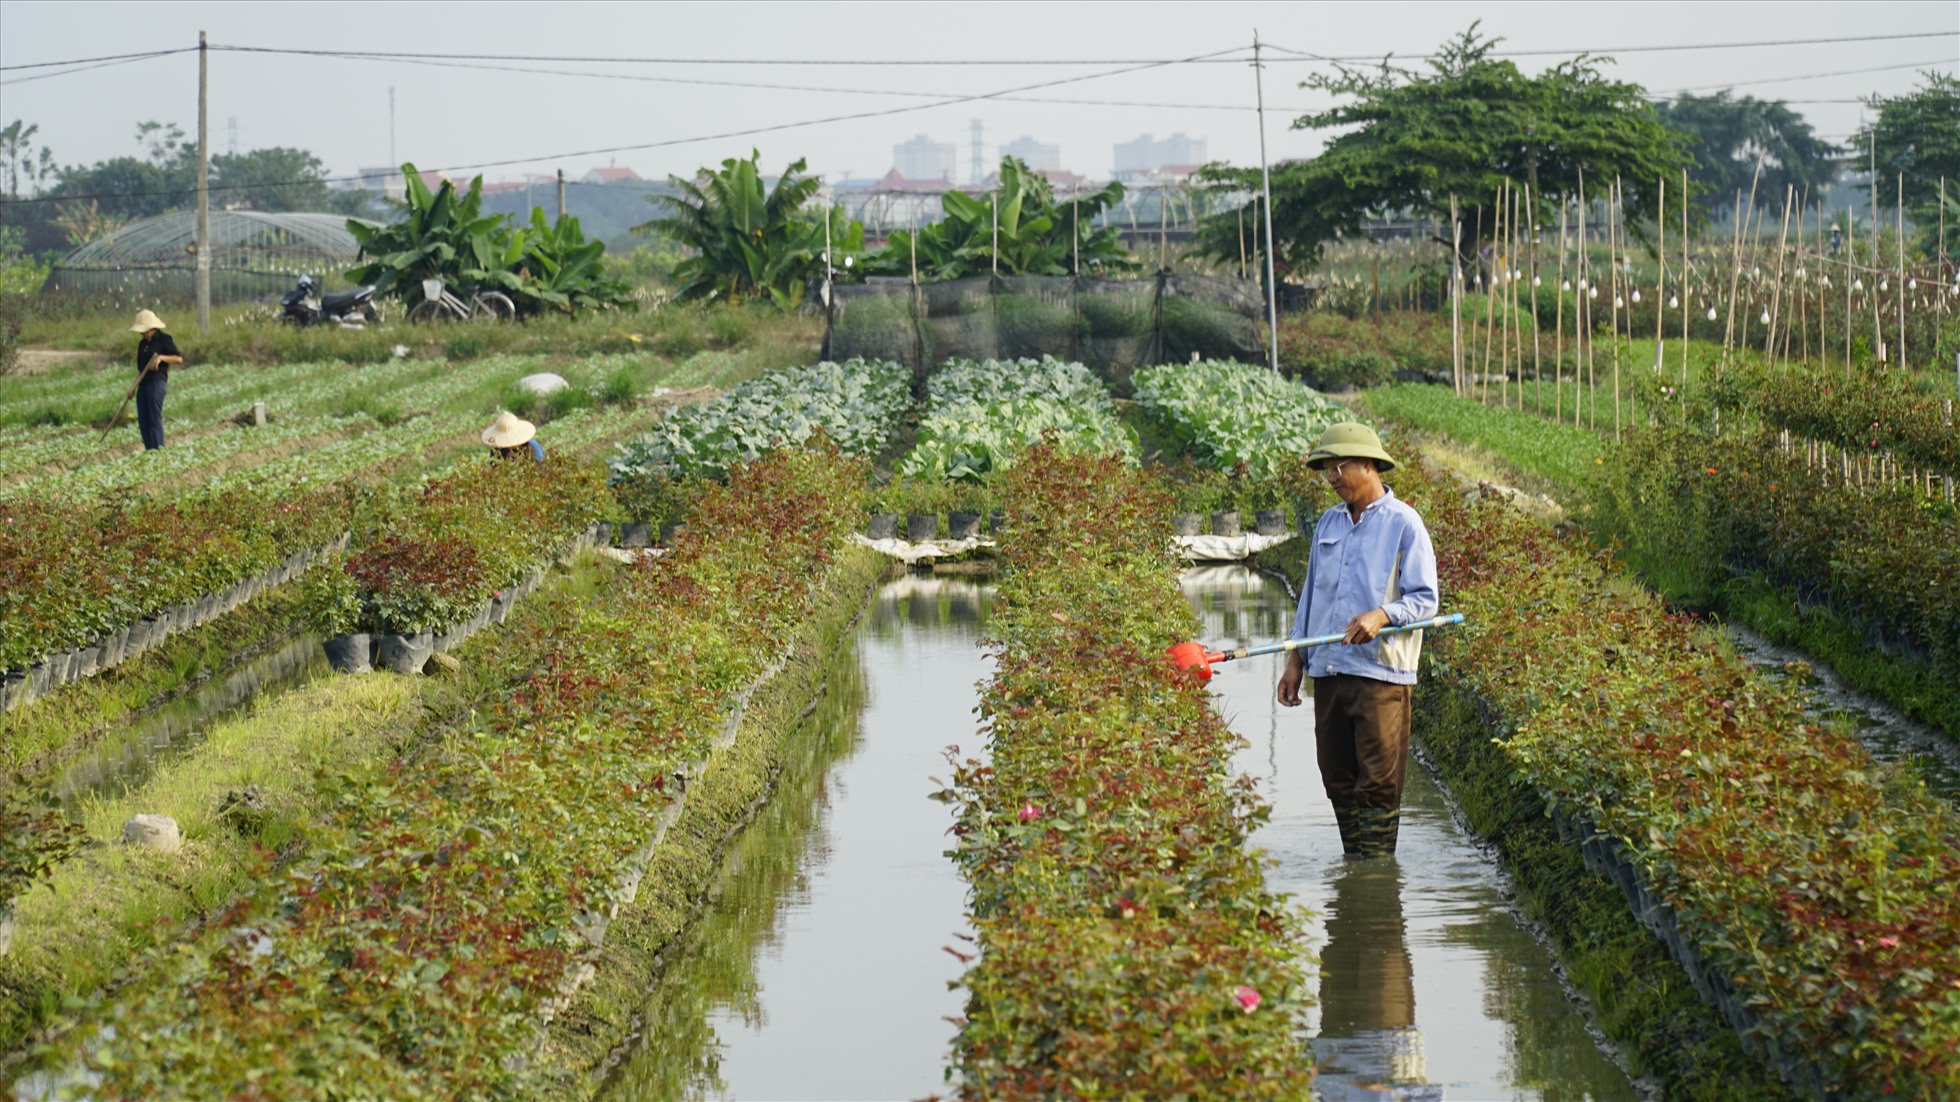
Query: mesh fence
[254, 255]
[1110, 325]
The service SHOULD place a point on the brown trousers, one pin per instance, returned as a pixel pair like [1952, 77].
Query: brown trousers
[1361, 729]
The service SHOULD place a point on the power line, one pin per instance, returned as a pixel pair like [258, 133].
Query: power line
[85, 68]
[1606, 50]
[941, 62]
[664, 143]
[1810, 76]
[763, 85]
[93, 60]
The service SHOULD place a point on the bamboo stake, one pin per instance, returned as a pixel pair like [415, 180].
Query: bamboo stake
[1456, 296]
[1558, 326]
[1613, 288]
[1802, 293]
[1686, 303]
[1537, 359]
[1901, 212]
[1490, 298]
[1511, 282]
[1776, 292]
[1736, 275]
[1660, 285]
[1581, 334]
[1878, 337]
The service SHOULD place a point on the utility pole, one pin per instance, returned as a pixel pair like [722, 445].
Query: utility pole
[561, 193]
[203, 276]
[1266, 185]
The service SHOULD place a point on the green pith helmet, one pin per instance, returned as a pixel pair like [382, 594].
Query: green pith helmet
[1349, 440]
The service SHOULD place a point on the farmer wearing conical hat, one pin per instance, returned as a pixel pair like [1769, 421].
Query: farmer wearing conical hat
[1370, 565]
[155, 354]
[511, 436]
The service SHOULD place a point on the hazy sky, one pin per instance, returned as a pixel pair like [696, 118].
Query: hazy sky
[450, 117]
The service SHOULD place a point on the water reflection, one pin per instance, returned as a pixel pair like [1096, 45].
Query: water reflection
[1429, 986]
[816, 970]
[1369, 1046]
[125, 760]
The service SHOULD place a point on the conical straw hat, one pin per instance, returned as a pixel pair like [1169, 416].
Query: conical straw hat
[508, 431]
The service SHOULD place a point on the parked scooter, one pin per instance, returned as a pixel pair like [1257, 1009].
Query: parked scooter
[305, 305]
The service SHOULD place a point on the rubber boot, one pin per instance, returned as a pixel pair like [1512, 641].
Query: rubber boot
[1375, 831]
[1348, 819]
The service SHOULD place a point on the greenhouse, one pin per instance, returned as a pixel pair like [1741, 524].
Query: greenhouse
[253, 254]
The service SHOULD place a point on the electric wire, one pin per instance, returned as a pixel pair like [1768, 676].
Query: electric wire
[1809, 76]
[767, 86]
[939, 62]
[93, 60]
[86, 68]
[669, 142]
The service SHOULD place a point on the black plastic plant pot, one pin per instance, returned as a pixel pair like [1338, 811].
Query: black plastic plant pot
[881, 526]
[403, 654]
[920, 527]
[997, 522]
[1225, 522]
[87, 661]
[12, 688]
[962, 526]
[1269, 522]
[636, 534]
[349, 653]
[139, 638]
[1187, 524]
[39, 677]
[671, 529]
[60, 668]
[602, 533]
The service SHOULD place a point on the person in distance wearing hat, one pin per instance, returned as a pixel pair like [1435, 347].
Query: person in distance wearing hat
[1370, 565]
[155, 354]
[511, 436]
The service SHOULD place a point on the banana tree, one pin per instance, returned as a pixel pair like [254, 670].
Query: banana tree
[560, 270]
[1032, 233]
[749, 241]
[443, 236]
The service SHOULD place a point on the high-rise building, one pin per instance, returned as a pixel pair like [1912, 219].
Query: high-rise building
[1040, 156]
[921, 158]
[1145, 155]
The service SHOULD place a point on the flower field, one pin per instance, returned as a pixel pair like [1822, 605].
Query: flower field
[1125, 937]
[445, 900]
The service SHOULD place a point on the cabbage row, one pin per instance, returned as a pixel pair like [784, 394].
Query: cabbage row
[1229, 413]
[980, 415]
[857, 403]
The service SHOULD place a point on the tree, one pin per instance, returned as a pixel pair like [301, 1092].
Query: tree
[1916, 135]
[1464, 128]
[749, 241]
[20, 165]
[1035, 234]
[1727, 135]
[277, 179]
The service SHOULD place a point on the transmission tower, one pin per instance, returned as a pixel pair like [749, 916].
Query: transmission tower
[979, 154]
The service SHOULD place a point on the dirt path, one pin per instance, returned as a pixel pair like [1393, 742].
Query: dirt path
[34, 361]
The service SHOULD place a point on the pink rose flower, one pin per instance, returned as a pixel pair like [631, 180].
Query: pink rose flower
[1246, 997]
[1029, 812]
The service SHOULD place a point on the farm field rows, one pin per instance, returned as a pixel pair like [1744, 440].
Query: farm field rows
[460, 876]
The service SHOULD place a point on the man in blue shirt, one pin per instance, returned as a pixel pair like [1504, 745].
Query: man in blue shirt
[1370, 565]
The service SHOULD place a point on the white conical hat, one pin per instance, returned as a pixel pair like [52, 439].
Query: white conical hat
[509, 431]
[146, 320]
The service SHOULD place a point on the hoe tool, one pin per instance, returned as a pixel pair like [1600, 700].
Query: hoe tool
[1194, 658]
[147, 368]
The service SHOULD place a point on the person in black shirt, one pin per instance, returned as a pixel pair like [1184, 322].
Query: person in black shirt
[154, 355]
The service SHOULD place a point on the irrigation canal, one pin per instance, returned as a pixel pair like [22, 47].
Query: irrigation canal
[817, 972]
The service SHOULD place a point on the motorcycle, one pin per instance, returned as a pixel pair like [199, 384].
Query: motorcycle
[351, 309]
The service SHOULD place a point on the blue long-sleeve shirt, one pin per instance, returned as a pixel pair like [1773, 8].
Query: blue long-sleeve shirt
[1383, 561]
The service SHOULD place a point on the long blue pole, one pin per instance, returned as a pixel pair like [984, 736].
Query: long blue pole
[1323, 640]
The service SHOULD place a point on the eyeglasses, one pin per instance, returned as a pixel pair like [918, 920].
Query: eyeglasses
[1333, 472]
